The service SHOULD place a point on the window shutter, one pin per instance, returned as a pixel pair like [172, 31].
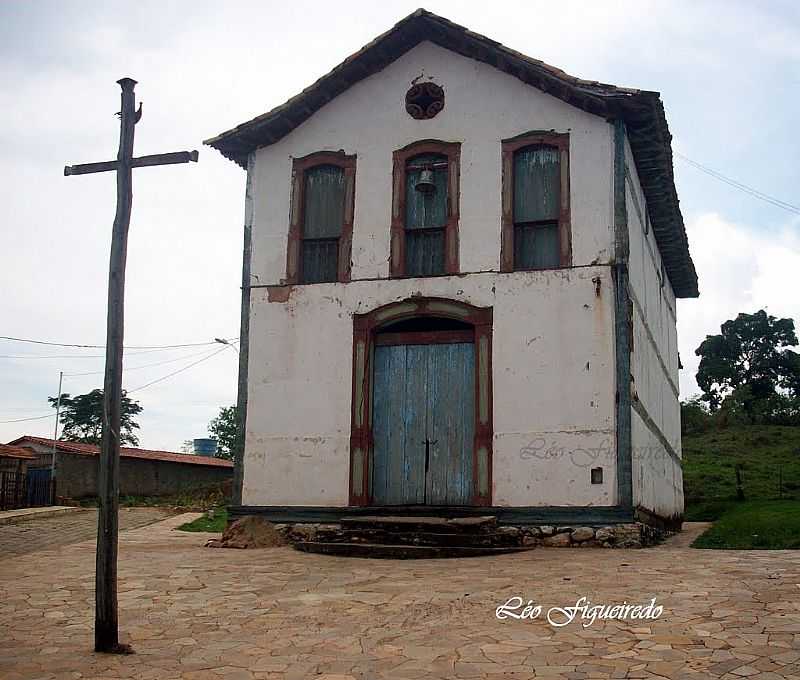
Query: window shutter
[426, 217]
[324, 202]
[426, 211]
[537, 207]
[323, 218]
[537, 184]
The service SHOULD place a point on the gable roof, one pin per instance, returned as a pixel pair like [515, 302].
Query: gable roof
[128, 452]
[7, 451]
[641, 110]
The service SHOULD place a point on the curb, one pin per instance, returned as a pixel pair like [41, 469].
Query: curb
[26, 514]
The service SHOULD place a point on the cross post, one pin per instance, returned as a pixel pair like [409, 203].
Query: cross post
[106, 628]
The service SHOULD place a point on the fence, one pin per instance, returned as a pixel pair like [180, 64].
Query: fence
[20, 490]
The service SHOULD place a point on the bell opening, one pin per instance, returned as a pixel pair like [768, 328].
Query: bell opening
[425, 184]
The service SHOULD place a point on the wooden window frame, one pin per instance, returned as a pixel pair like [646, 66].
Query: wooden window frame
[366, 329]
[452, 151]
[560, 141]
[300, 166]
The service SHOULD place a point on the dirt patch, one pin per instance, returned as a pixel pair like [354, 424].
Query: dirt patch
[249, 532]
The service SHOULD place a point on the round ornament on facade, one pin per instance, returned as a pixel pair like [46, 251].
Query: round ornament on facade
[424, 100]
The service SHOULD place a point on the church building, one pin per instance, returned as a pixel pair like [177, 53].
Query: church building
[460, 276]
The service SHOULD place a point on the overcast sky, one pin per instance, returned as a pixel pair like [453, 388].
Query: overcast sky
[728, 74]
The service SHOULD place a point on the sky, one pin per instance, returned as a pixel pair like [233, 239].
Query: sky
[728, 73]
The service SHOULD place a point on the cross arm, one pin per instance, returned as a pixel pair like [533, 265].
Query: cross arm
[141, 162]
[165, 159]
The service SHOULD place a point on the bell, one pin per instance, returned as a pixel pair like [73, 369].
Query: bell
[425, 183]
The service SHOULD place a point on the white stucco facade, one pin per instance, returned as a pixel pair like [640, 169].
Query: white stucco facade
[553, 365]
[656, 426]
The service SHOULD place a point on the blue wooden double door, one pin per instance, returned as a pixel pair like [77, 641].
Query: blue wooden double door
[423, 424]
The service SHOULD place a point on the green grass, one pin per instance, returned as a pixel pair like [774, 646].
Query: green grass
[770, 460]
[755, 525]
[214, 524]
[764, 452]
[707, 510]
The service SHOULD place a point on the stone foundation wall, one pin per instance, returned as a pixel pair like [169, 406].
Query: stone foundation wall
[631, 535]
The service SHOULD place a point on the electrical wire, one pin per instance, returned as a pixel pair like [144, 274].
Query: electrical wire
[755, 193]
[180, 370]
[206, 357]
[23, 420]
[98, 356]
[151, 347]
[136, 368]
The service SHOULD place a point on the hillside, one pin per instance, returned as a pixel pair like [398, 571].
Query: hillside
[766, 453]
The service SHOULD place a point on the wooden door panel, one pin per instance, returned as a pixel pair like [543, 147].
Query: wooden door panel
[390, 367]
[414, 418]
[424, 404]
[451, 416]
[398, 425]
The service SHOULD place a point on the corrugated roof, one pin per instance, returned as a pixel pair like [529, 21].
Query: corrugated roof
[642, 111]
[7, 451]
[129, 452]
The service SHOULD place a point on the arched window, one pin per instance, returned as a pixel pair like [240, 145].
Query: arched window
[425, 209]
[536, 231]
[320, 234]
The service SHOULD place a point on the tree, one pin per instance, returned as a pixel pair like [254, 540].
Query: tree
[82, 417]
[748, 361]
[695, 417]
[223, 429]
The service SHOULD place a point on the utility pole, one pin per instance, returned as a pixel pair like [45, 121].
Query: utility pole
[55, 440]
[106, 629]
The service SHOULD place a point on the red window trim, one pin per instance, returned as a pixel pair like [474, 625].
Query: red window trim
[299, 168]
[559, 140]
[452, 150]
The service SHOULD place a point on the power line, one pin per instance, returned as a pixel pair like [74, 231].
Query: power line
[95, 356]
[136, 389]
[180, 370]
[81, 346]
[755, 193]
[69, 356]
[23, 420]
[136, 368]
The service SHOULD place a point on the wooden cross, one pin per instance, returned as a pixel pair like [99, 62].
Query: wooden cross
[106, 630]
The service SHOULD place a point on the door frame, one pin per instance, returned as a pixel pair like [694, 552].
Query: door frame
[365, 329]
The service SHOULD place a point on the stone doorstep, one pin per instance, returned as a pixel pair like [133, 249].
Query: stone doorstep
[25, 514]
[426, 524]
[401, 551]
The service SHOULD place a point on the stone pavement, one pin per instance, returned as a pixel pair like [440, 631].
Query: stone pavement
[195, 614]
[39, 533]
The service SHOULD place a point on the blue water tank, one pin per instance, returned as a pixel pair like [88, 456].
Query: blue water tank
[205, 447]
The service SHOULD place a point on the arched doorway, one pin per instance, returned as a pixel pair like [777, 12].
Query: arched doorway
[421, 423]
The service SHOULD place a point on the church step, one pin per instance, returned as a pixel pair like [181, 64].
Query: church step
[400, 552]
[499, 538]
[432, 525]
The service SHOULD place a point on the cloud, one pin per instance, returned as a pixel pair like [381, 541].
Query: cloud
[741, 269]
[206, 66]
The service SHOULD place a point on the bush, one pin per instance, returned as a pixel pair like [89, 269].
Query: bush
[695, 418]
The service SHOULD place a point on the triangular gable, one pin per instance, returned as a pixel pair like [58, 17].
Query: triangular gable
[641, 110]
